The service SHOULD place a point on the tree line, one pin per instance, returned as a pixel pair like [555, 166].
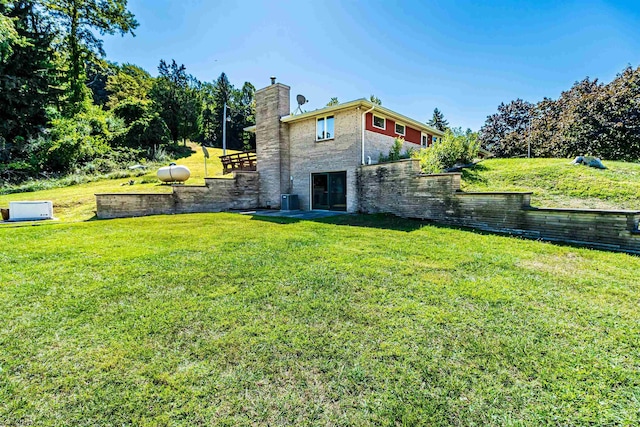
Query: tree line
[65, 108]
[591, 118]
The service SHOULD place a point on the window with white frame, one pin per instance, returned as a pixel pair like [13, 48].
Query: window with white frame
[324, 128]
[424, 140]
[379, 122]
[400, 129]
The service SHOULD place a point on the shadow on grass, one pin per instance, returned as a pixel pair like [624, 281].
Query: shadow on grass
[179, 151]
[381, 221]
[391, 222]
[472, 175]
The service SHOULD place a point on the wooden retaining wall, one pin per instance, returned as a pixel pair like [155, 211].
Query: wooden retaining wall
[401, 189]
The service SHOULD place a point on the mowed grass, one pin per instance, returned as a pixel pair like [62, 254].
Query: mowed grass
[556, 183]
[78, 202]
[225, 320]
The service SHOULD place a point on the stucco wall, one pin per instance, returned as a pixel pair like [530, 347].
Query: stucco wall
[399, 188]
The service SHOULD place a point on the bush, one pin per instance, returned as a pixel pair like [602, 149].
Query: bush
[457, 148]
[145, 128]
[77, 140]
[395, 152]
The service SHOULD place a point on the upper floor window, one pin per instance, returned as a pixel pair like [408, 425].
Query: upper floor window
[400, 129]
[324, 128]
[379, 122]
[424, 140]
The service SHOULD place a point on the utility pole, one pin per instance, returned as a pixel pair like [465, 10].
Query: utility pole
[529, 141]
[224, 130]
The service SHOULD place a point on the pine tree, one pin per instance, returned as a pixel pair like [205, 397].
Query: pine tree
[438, 121]
[177, 99]
[375, 100]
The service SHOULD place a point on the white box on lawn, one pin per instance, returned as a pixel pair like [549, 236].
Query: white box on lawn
[30, 211]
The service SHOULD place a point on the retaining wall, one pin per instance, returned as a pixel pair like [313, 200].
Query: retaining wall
[401, 189]
[218, 194]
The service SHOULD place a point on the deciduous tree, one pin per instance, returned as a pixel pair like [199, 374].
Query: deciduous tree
[78, 21]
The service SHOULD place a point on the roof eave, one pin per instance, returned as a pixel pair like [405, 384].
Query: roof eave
[362, 102]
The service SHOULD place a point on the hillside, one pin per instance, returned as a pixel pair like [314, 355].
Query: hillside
[77, 202]
[556, 183]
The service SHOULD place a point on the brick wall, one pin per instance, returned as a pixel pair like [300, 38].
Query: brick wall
[399, 188]
[219, 194]
[377, 143]
[342, 153]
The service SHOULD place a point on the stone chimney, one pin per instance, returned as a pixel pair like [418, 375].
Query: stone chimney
[272, 143]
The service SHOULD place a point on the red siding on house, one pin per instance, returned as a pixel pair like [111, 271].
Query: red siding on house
[411, 135]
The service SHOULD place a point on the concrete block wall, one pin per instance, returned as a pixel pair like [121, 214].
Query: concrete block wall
[401, 189]
[219, 194]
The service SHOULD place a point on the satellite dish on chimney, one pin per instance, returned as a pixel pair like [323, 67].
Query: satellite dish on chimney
[301, 101]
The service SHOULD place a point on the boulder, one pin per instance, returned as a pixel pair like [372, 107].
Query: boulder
[593, 162]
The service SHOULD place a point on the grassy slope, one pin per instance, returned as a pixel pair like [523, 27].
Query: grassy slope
[221, 319]
[556, 183]
[77, 203]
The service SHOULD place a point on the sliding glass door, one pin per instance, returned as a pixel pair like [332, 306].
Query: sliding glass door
[329, 191]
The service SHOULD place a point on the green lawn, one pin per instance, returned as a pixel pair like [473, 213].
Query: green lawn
[223, 319]
[556, 183]
[78, 202]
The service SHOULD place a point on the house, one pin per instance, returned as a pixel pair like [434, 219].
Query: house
[315, 155]
[328, 157]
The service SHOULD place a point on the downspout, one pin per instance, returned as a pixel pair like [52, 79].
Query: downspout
[363, 123]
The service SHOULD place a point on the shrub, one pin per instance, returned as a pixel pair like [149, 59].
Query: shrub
[145, 128]
[77, 140]
[395, 152]
[457, 147]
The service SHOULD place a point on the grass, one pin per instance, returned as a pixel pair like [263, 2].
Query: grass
[556, 183]
[223, 319]
[77, 202]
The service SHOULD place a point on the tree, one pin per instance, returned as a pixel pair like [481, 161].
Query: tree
[505, 133]
[130, 82]
[333, 101]
[590, 118]
[374, 99]
[77, 21]
[240, 113]
[9, 36]
[28, 79]
[177, 100]
[438, 121]
[98, 73]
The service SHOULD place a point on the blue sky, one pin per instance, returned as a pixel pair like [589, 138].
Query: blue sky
[464, 57]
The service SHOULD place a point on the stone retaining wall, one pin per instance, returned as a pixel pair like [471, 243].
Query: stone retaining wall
[401, 189]
[219, 194]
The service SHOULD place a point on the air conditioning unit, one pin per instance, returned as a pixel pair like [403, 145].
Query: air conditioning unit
[30, 211]
[289, 202]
